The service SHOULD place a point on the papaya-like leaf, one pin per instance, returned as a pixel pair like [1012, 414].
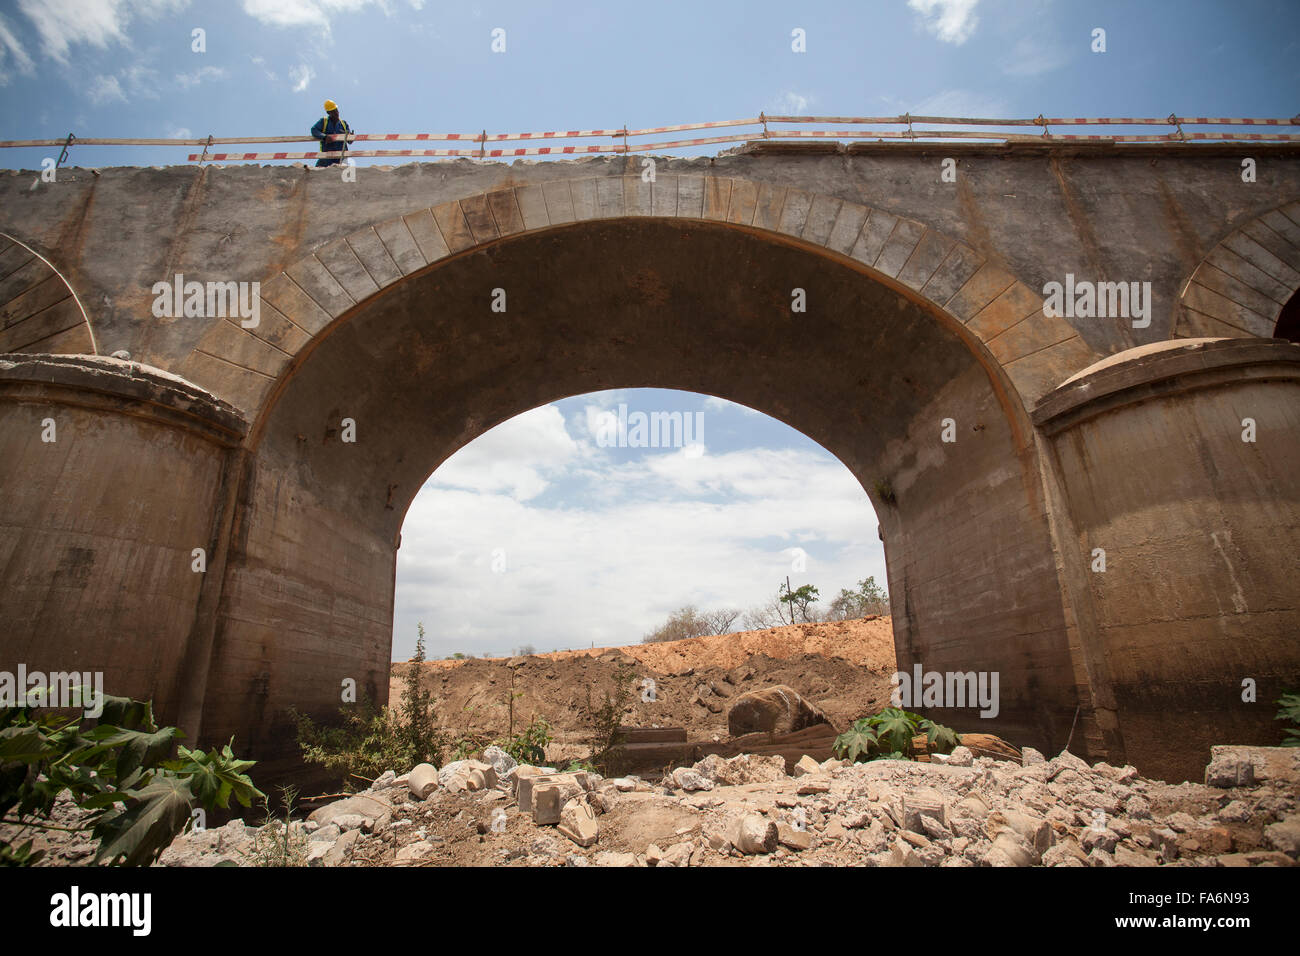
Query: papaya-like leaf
[139, 834]
[895, 729]
[217, 775]
[856, 742]
[938, 738]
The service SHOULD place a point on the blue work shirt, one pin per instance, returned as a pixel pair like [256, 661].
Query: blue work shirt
[325, 126]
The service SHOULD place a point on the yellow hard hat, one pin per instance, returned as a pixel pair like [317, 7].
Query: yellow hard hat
[330, 105]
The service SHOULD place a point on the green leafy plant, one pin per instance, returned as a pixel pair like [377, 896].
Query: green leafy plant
[138, 799]
[888, 736]
[529, 745]
[896, 728]
[859, 741]
[1289, 709]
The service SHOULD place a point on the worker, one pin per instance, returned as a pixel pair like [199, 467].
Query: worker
[328, 125]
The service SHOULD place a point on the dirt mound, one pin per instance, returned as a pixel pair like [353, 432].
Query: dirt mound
[841, 667]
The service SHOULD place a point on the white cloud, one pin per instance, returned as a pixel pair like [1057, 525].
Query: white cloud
[301, 76]
[514, 457]
[63, 23]
[179, 132]
[623, 545]
[304, 13]
[186, 80]
[712, 402]
[791, 103]
[104, 90]
[952, 21]
[12, 50]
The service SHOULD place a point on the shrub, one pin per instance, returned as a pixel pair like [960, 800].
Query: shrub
[604, 719]
[528, 746]
[371, 740]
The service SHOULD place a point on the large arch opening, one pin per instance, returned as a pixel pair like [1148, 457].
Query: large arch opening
[587, 522]
[867, 369]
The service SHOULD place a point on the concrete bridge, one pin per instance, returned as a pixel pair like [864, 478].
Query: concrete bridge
[1113, 524]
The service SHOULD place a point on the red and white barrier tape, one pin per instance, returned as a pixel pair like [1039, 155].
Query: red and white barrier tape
[911, 133]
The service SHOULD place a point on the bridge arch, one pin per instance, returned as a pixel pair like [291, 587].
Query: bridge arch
[1243, 284]
[995, 309]
[422, 364]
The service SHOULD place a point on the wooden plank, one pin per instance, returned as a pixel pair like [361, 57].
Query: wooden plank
[647, 735]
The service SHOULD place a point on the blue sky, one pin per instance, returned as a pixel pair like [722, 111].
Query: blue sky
[600, 544]
[125, 68]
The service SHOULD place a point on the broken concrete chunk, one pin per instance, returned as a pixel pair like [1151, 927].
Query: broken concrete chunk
[577, 821]
[805, 765]
[752, 834]
[423, 780]
[796, 840]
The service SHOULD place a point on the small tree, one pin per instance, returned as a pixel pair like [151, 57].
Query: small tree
[798, 600]
[419, 727]
[603, 719]
[868, 598]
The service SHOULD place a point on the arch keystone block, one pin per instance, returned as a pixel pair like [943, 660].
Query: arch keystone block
[315, 280]
[295, 304]
[505, 212]
[690, 197]
[370, 249]
[346, 269]
[532, 206]
[559, 202]
[663, 195]
[478, 216]
[821, 219]
[794, 214]
[401, 246]
[450, 218]
[848, 225]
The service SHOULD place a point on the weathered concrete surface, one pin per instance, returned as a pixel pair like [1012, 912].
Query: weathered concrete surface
[113, 474]
[1199, 530]
[924, 304]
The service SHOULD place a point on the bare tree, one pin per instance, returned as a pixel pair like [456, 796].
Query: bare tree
[721, 621]
[683, 623]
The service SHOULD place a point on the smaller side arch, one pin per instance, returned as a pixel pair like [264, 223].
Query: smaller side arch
[1241, 287]
[39, 310]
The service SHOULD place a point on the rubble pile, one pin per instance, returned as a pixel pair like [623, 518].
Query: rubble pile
[959, 810]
